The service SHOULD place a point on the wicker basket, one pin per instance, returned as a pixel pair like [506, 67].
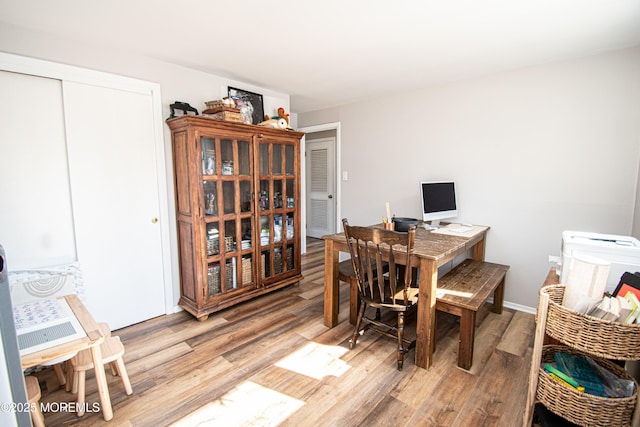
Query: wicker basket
[228, 244]
[277, 262]
[213, 279]
[213, 246]
[246, 271]
[289, 258]
[215, 104]
[583, 408]
[603, 338]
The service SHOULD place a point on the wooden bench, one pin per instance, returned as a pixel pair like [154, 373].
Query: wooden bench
[463, 291]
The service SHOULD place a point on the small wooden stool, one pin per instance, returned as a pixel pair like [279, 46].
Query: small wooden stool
[68, 381]
[33, 396]
[112, 351]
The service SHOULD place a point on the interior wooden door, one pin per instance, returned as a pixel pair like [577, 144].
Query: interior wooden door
[112, 163]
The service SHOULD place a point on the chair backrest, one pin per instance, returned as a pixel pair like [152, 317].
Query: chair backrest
[371, 254]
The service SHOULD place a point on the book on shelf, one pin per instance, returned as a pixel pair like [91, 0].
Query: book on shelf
[607, 309]
[634, 307]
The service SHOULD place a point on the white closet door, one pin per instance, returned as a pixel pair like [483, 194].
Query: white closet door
[321, 203]
[36, 225]
[112, 163]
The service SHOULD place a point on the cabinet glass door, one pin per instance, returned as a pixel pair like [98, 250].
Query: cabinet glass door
[228, 214]
[277, 186]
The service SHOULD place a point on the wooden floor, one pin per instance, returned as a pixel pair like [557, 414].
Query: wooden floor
[271, 361]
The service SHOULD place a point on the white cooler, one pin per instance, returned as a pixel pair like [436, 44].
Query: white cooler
[623, 252]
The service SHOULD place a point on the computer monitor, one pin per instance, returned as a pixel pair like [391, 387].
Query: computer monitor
[438, 201]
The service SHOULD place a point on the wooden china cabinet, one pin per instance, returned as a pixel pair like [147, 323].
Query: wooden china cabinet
[238, 211]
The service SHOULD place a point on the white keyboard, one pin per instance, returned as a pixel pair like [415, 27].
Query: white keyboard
[460, 229]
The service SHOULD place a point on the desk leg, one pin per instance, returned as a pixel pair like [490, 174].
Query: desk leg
[101, 379]
[331, 302]
[478, 250]
[425, 328]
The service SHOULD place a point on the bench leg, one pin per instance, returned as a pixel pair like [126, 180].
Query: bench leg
[498, 298]
[467, 335]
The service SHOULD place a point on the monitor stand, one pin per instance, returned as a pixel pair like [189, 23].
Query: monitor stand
[435, 224]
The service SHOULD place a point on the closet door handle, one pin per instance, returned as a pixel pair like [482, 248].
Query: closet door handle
[154, 220]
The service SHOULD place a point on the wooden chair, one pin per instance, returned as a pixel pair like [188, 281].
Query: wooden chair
[370, 249]
[112, 351]
[33, 396]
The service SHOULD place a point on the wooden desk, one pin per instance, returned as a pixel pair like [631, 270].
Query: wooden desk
[431, 251]
[92, 341]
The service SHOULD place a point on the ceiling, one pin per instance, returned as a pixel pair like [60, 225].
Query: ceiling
[334, 52]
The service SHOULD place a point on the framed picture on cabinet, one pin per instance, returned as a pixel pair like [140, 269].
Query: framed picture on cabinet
[251, 104]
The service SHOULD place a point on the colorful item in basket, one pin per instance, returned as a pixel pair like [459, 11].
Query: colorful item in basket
[579, 370]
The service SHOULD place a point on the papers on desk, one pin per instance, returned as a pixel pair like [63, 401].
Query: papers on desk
[45, 323]
[459, 230]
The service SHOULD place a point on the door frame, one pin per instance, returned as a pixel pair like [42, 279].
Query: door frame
[54, 70]
[303, 147]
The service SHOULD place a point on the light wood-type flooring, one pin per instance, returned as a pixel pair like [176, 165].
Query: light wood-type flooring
[271, 361]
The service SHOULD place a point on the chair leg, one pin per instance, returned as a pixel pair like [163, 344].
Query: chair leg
[80, 378]
[400, 340]
[354, 300]
[57, 368]
[356, 330]
[70, 377]
[122, 371]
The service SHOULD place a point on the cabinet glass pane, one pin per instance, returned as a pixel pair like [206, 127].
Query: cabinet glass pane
[245, 196]
[210, 198]
[289, 193]
[213, 239]
[208, 156]
[277, 228]
[228, 197]
[278, 261]
[244, 158]
[289, 153]
[290, 230]
[213, 278]
[264, 159]
[264, 195]
[226, 147]
[290, 261]
[277, 194]
[247, 270]
[264, 230]
[247, 233]
[230, 274]
[229, 236]
[265, 264]
[277, 159]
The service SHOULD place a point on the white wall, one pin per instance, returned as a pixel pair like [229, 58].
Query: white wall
[534, 152]
[177, 84]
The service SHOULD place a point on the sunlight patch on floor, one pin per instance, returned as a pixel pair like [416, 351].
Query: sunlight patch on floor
[249, 404]
[442, 292]
[316, 361]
